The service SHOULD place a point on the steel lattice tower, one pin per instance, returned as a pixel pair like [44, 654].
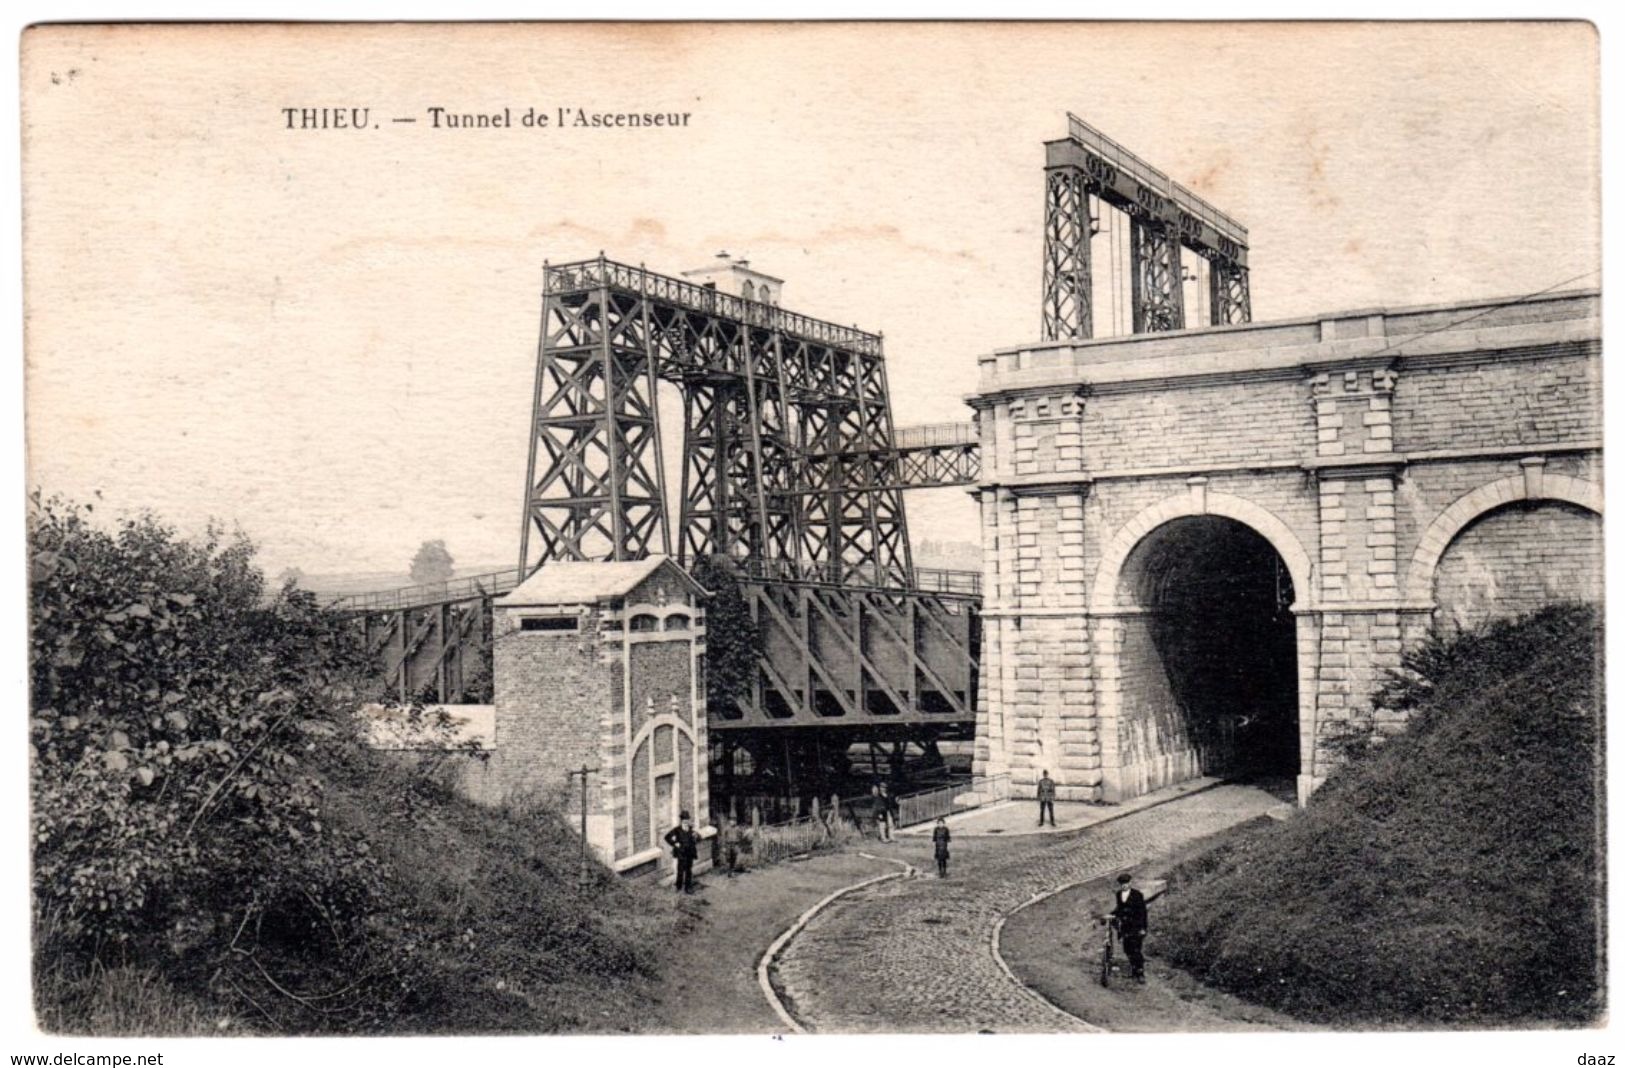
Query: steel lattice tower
[1164, 218]
[784, 421]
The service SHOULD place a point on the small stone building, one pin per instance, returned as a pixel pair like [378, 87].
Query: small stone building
[736, 277]
[601, 665]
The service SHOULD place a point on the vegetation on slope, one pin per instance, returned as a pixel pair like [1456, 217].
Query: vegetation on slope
[1450, 876]
[732, 642]
[214, 847]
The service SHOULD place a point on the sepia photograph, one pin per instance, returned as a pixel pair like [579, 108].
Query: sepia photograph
[812, 528]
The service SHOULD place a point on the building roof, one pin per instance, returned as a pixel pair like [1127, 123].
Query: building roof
[585, 582]
[724, 263]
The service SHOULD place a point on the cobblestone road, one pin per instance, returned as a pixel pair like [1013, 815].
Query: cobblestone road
[914, 955]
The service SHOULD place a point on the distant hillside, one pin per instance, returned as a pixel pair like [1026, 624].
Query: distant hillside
[1452, 876]
[931, 553]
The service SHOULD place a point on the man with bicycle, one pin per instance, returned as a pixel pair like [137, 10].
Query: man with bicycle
[1130, 914]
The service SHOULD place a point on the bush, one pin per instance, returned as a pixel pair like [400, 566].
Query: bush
[1450, 876]
[175, 716]
[209, 827]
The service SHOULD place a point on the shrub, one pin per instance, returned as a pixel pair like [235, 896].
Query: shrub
[768, 845]
[179, 724]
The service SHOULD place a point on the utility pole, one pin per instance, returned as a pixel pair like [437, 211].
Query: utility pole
[583, 772]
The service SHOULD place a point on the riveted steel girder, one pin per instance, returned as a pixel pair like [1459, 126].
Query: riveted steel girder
[1068, 285]
[1158, 295]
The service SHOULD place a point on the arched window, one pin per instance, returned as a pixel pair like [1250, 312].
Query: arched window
[645, 622]
[766, 294]
[749, 291]
[677, 622]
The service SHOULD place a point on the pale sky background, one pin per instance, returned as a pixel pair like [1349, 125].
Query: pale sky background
[330, 337]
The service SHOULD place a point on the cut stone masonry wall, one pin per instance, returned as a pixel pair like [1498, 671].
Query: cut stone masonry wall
[1392, 467]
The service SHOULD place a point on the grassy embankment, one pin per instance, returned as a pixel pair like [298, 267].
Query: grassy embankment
[499, 933]
[1451, 876]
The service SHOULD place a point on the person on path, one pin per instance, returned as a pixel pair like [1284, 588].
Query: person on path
[887, 805]
[1130, 913]
[1046, 799]
[685, 846]
[939, 842]
[730, 844]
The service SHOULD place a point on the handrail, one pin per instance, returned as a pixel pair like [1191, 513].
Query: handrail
[492, 582]
[935, 435]
[591, 274]
[923, 805]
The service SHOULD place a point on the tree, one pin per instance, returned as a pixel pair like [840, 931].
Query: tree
[432, 563]
[290, 576]
[181, 725]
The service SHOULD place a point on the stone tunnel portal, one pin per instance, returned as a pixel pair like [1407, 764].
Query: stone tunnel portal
[1209, 660]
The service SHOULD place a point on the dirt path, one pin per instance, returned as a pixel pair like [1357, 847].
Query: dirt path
[719, 934]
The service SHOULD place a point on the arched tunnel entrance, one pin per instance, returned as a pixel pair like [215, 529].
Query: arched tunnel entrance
[1209, 655]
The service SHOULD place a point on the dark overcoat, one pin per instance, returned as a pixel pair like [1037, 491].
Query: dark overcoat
[1130, 912]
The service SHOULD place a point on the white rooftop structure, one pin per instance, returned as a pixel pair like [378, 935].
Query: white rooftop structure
[588, 582]
[738, 278]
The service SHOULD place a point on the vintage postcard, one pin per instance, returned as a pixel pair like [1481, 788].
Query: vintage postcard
[797, 528]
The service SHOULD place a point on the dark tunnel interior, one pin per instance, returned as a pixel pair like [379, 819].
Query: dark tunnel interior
[1224, 637]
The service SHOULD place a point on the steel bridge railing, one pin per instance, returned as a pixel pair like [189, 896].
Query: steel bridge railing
[935, 436]
[867, 576]
[591, 274]
[493, 583]
[463, 589]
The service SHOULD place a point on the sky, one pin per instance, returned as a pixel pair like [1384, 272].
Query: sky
[329, 337]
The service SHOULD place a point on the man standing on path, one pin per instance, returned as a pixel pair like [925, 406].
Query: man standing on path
[939, 842]
[886, 815]
[685, 846]
[1130, 914]
[1046, 799]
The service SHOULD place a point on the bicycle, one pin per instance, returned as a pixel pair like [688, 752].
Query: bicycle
[1112, 933]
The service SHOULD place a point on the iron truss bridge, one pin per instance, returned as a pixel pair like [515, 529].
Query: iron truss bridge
[791, 469]
[839, 647]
